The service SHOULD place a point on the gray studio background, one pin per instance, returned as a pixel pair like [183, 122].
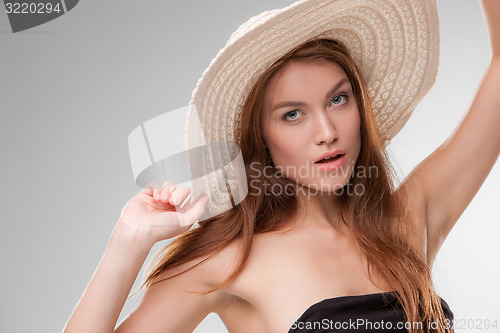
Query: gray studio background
[73, 89]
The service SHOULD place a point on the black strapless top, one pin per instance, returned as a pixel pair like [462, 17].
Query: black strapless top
[371, 313]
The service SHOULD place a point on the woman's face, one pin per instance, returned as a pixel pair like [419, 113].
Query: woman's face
[309, 111]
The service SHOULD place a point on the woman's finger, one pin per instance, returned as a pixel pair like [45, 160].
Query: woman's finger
[192, 215]
[166, 192]
[169, 183]
[179, 194]
[156, 194]
[149, 189]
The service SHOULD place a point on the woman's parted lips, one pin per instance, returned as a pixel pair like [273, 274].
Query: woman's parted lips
[330, 154]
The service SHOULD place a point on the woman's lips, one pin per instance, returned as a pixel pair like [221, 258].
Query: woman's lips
[332, 165]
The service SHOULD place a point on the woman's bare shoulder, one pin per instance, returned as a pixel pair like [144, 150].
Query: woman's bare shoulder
[206, 271]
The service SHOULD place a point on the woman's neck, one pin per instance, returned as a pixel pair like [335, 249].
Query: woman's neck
[322, 209]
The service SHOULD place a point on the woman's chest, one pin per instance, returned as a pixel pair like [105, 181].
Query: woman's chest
[286, 275]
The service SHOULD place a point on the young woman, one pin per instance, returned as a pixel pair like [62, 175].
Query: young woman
[322, 236]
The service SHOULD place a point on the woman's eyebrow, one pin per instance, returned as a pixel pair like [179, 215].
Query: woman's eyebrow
[292, 104]
[337, 86]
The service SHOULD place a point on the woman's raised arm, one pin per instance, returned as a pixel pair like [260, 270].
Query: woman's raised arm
[144, 221]
[491, 10]
[450, 177]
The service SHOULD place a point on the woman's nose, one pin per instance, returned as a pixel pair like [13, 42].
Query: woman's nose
[324, 129]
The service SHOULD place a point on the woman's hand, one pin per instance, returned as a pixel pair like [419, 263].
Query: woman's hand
[153, 215]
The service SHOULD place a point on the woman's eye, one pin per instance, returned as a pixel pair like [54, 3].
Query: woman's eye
[339, 100]
[291, 115]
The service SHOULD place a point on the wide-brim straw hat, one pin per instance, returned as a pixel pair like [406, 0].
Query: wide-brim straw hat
[395, 44]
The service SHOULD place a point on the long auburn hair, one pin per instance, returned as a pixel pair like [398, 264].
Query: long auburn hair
[378, 218]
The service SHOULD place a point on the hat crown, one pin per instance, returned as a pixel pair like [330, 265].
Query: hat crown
[256, 20]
